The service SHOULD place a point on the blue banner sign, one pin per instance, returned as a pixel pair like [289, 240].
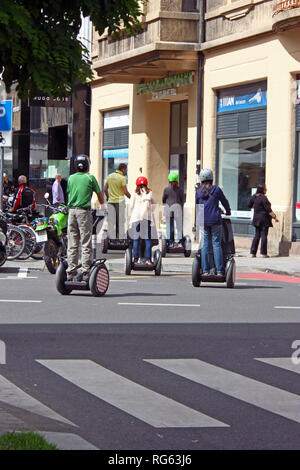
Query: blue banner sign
[5, 115]
[234, 99]
[115, 153]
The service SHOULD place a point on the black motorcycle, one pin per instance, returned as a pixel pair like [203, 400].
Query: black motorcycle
[3, 239]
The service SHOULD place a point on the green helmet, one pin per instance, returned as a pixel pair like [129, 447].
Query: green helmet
[173, 177]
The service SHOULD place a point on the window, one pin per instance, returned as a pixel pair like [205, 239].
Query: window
[115, 140]
[241, 168]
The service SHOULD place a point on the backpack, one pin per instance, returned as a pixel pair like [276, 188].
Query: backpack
[27, 197]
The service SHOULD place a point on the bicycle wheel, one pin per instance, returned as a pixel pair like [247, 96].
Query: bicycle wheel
[16, 242]
[30, 241]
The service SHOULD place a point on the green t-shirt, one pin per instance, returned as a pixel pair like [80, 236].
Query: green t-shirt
[80, 189]
[115, 182]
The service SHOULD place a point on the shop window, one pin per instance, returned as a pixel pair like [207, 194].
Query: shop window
[115, 140]
[241, 168]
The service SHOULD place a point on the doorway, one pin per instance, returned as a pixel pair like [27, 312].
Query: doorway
[178, 141]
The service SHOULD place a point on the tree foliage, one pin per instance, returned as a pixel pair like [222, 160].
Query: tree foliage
[39, 45]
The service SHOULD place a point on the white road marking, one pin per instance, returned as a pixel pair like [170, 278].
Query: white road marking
[14, 396]
[21, 301]
[23, 272]
[243, 388]
[282, 362]
[279, 306]
[158, 305]
[18, 278]
[136, 400]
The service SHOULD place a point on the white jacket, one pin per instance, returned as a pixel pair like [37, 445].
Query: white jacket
[141, 206]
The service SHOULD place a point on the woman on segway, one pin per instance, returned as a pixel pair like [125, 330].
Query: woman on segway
[208, 197]
[141, 219]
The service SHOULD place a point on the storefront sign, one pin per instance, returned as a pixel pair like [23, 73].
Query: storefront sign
[47, 101]
[174, 81]
[236, 98]
[164, 93]
[115, 153]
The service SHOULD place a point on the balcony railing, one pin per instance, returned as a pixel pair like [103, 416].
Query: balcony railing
[286, 14]
[281, 6]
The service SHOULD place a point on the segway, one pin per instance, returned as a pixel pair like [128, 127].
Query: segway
[182, 246]
[228, 259]
[156, 265]
[98, 280]
[108, 243]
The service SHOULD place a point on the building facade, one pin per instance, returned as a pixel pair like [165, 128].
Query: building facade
[47, 132]
[206, 84]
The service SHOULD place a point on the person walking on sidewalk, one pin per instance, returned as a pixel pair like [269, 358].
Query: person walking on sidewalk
[115, 189]
[173, 198]
[208, 197]
[81, 186]
[57, 192]
[262, 220]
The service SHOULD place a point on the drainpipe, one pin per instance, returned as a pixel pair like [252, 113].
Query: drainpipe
[200, 85]
[202, 8]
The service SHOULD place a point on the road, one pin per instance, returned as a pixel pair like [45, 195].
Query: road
[155, 364]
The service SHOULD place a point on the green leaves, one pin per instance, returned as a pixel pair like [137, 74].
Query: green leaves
[39, 45]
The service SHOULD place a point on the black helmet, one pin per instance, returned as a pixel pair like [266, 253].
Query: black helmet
[82, 163]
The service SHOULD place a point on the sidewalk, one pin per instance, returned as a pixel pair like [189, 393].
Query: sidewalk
[288, 265]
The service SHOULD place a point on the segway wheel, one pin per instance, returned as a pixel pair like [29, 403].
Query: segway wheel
[128, 261]
[104, 243]
[187, 246]
[99, 280]
[162, 243]
[60, 278]
[231, 273]
[157, 261]
[196, 276]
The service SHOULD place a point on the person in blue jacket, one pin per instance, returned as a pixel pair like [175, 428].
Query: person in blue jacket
[208, 197]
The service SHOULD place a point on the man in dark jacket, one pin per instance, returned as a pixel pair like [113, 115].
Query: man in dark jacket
[25, 196]
[173, 197]
[209, 219]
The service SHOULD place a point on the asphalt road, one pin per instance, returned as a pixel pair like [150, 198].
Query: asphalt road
[155, 364]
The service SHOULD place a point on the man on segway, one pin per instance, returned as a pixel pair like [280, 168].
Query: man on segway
[173, 198]
[115, 189]
[81, 186]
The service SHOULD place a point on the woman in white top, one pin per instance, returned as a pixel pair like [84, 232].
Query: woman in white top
[141, 218]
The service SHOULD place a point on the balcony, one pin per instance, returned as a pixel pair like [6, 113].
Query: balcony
[166, 43]
[286, 14]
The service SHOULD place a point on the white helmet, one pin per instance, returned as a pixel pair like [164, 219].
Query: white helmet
[206, 175]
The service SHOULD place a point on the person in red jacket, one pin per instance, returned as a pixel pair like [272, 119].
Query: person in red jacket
[24, 197]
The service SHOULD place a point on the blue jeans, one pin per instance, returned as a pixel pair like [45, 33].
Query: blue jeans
[146, 235]
[212, 235]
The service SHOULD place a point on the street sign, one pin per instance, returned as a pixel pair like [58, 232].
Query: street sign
[6, 123]
[5, 115]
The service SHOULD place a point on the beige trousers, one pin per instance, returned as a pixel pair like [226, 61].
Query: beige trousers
[80, 227]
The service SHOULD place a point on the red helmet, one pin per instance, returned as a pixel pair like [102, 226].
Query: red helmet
[141, 180]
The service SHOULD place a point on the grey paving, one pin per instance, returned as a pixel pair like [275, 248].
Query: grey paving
[289, 265]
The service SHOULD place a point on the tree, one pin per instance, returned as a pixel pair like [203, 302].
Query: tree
[39, 45]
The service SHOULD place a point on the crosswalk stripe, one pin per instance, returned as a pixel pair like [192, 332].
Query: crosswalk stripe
[136, 400]
[251, 391]
[14, 396]
[282, 362]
